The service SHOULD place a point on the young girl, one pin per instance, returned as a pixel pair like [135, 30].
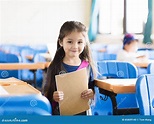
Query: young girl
[73, 53]
[129, 51]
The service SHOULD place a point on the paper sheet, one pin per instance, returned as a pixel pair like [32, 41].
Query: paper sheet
[73, 84]
[3, 91]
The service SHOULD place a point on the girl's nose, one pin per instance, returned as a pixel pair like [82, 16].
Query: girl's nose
[75, 45]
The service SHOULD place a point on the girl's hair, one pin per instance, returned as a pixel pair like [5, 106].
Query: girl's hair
[55, 66]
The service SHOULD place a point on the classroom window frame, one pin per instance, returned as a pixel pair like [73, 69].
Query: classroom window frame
[121, 18]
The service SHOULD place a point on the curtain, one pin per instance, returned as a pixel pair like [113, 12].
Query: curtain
[148, 25]
[93, 27]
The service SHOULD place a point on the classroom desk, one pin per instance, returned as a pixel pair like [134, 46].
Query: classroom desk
[19, 66]
[47, 56]
[12, 86]
[112, 87]
[19, 98]
[47, 64]
[11, 81]
[143, 64]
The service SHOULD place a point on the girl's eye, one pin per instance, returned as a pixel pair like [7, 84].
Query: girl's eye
[69, 41]
[80, 42]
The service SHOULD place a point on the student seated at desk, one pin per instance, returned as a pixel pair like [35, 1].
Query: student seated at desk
[129, 52]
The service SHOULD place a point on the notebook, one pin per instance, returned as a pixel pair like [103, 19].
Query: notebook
[73, 84]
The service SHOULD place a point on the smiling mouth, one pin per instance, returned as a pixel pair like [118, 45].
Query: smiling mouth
[74, 51]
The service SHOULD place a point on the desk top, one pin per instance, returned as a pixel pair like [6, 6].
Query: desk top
[18, 66]
[13, 86]
[143, 64]
[117, 85]
[20, 90]
[47, 64]
[11, 81]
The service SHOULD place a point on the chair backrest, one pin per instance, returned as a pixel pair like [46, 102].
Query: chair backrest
[105, 56]
[150, 68]
[39, 72]
[101, 56]
[39, 48]
[145, 94]
[9, 58]
[116, 69]
[25, 105]
[25, 52]
[7, 47]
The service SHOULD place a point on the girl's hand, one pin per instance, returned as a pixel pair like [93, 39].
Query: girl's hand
[87, 94]
[58, 96]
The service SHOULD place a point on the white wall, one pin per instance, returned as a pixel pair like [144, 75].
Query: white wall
[38, 21]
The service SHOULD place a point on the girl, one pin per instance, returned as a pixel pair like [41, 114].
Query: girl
[129, 51]
[73, 52]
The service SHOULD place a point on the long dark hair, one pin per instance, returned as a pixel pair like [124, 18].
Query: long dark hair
[55, 66]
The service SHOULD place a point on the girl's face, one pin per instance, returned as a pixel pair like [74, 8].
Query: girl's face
[73, 44]
[132, 47]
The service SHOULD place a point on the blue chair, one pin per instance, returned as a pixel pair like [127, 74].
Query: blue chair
[39, 48]
[106, 56]
[101, 56]
[9, 58]
[142, 71]
[145, 94]
[150, 68]
[25, 105]
[39, 72]
[143, 49]
[7, 47]
[114, 69]
[26, 74]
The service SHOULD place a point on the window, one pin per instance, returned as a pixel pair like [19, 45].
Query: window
[121, 16]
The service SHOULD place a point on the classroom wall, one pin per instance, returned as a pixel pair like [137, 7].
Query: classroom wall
[39, 21]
